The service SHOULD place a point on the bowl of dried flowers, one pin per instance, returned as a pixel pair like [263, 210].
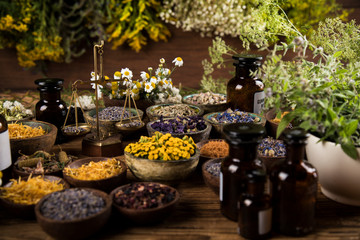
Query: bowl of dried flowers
[212, 148]
[145, 202]
[270, 151]
[96, 172]
[193, 126]
[171, 110]
[209, 101]
[162, 158]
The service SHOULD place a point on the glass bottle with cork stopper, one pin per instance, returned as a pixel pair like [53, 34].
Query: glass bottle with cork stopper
[294, 188]
[243, 139]
[245, 91]
[255, 213]
[51, 108]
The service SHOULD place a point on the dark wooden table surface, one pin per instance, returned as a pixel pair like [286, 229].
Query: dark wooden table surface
[196, 217]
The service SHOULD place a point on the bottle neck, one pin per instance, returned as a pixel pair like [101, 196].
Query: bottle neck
[295, 153]
[50, 95]
[243, 152]
[244, 71]
[255, 188]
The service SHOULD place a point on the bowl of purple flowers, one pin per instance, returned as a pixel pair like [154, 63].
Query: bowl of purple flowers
[193, 126]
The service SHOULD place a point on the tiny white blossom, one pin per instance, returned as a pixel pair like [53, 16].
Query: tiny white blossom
[178, 61]
[126, 73]
[144, 75]
[7, 104]
[162, 60]
[148, 87]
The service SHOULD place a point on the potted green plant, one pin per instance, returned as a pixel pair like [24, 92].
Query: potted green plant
[323, 92]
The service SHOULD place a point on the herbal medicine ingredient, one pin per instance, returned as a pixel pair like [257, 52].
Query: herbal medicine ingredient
[245, 91]
[294, 188]
[243, 139]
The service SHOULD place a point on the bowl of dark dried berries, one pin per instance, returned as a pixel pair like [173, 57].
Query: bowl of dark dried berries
[219, 119]
[209, 101]
[171, 110]
[211, 173]
[74, 213]
[270, 151]
[194, 126]
[145, 202]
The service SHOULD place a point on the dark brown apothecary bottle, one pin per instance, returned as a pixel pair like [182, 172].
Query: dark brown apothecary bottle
[255, 213]
[244, 91]
[51, 108]
[294, 187]
[5, 151]
[243, 139]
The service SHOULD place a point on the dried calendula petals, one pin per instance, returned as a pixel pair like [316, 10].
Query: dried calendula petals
[95, 170]
[20, 131]
[30, 191]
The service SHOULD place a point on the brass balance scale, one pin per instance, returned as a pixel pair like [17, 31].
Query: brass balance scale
[98, 144]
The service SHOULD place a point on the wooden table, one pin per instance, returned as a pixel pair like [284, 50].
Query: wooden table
[196, 217]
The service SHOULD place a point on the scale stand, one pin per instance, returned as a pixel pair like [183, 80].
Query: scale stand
[94, 144]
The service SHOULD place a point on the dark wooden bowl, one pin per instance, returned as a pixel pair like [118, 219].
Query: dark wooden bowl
[106, 184]
[204, 158]
[30, 145]
[77, 228]
[196, 136]
[25, 210]
[208, 108]
[152, 116]
[271, 125]
[270, 161]
[146, 216]
[213, 182]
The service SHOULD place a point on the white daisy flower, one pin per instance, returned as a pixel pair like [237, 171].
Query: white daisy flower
[148, 87]
[126, 73]
[166, 72]
[158, 72]
[18, 105]
[154, 80]
[7, 104]
[162, 60]
[144, 75]
[117, 75]
[178, 61]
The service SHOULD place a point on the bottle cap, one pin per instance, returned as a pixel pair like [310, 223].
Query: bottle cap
[247, 59]
[256, 176]
[49, 84]
[295, 136]
[239, 133]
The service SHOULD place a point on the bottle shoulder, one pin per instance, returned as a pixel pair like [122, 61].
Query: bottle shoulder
[293, 171]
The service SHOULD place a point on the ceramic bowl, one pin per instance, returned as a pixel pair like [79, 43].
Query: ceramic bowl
[109, 125]
[208, 108]
[106, 184]
[25, 210]
[152, 116]
[196, 136]
[149, 215]
[162, 171]
[212, 181]
[219, 126]
[77, 228]
[30, 145]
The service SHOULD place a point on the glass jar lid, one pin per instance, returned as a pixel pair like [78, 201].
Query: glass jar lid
[242, 133]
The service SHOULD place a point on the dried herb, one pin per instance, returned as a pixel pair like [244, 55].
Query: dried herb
[179, 125]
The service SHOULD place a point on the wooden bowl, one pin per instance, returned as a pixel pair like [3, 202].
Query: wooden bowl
[25, 210]
[77, 228]
[219, 126]
[271, 125]
[152, 116]
[212, 181]
[270, 161]
[149, 215]
[208, 108]
[196, 136]
[130, 132]
[162, 171]
[30, 145]
[203, 157]
[106, 184]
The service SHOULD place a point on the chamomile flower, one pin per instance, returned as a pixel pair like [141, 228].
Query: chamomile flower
[166, 72]
[154, 80]
[158, 72]
[144, 75]
[162, 60]
[178, 61]
[148, 87]
[117, 75]
[126, 73]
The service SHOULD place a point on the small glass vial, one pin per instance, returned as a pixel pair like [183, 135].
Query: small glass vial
[255, 213]
[5, 152]
[294, 188]
[243, 139]
[245, 92]
[51, 108]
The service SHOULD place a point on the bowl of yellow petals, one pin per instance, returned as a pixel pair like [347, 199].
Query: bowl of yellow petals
[162, 158]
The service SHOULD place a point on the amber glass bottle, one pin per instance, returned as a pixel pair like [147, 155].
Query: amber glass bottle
[255, 211]
[294, 187]
[5, 153]
[243, 139]
[51, 108]
[246, 92]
